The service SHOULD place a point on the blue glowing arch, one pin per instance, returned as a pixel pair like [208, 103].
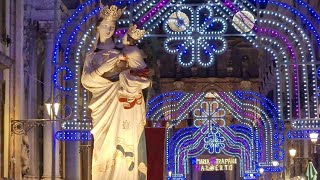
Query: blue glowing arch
[291, 46]
[256, 139]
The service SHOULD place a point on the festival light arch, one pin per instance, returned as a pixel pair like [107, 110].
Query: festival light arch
[256, 140]
[292, 46]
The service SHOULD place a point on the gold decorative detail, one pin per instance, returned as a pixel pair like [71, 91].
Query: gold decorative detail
[135, 33]
[111, 14]
[143, 168]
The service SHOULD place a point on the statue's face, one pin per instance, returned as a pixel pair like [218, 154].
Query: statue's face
[106, 29]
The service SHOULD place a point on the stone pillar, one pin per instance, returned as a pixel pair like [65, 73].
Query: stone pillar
[48, 131]
[17, 12]
[32, 96]
[72, 160]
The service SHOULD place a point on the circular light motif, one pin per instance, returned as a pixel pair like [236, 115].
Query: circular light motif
[243, 21]
[178, 21]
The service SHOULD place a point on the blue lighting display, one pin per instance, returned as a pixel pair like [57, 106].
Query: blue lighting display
[74, 135]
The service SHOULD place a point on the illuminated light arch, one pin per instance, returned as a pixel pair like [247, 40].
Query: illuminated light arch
[299, 58]
[256, 140]
[299, 76]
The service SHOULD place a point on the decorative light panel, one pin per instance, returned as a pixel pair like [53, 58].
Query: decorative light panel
[291, 45]
[198, 42]
[195, 40]
[257, 137]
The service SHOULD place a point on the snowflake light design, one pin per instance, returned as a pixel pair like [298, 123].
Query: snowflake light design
[209, 114]
[214, 142]
[201, 40]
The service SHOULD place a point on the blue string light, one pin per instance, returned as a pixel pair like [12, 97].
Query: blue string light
[241, 135]
[301, 134]
[68, 23]
[73, 135]
[68, 76]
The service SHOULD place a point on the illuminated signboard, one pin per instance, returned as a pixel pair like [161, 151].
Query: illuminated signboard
[216, 164]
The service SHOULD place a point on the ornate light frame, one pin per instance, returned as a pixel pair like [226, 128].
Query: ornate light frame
[256, 140]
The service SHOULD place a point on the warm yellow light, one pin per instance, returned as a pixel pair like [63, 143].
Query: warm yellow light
[261, 170]
[292, 152]
[314, 137]
[55, 108]
[48, 106]
[275, 163]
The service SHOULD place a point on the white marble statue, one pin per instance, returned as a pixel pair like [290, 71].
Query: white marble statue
[118, 109]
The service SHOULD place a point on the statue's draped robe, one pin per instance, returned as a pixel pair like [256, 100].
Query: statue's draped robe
[119, 151]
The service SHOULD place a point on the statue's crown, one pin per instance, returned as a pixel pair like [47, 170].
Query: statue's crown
[135, 33]
[111, 14]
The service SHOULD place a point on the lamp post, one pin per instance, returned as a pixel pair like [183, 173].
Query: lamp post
[53, 110]
[275, 163]
[261, 171]
[293, 153]
[22, 127]
[169, 175]
[314, 137]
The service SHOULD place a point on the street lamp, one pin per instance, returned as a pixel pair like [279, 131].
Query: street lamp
[261, 170]
[52, 108]
[275, 163]
[291, 167]
[292, 152]
[170, 175]
[314, 137]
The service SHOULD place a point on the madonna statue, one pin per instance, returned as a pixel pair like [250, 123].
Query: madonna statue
[118, 109]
